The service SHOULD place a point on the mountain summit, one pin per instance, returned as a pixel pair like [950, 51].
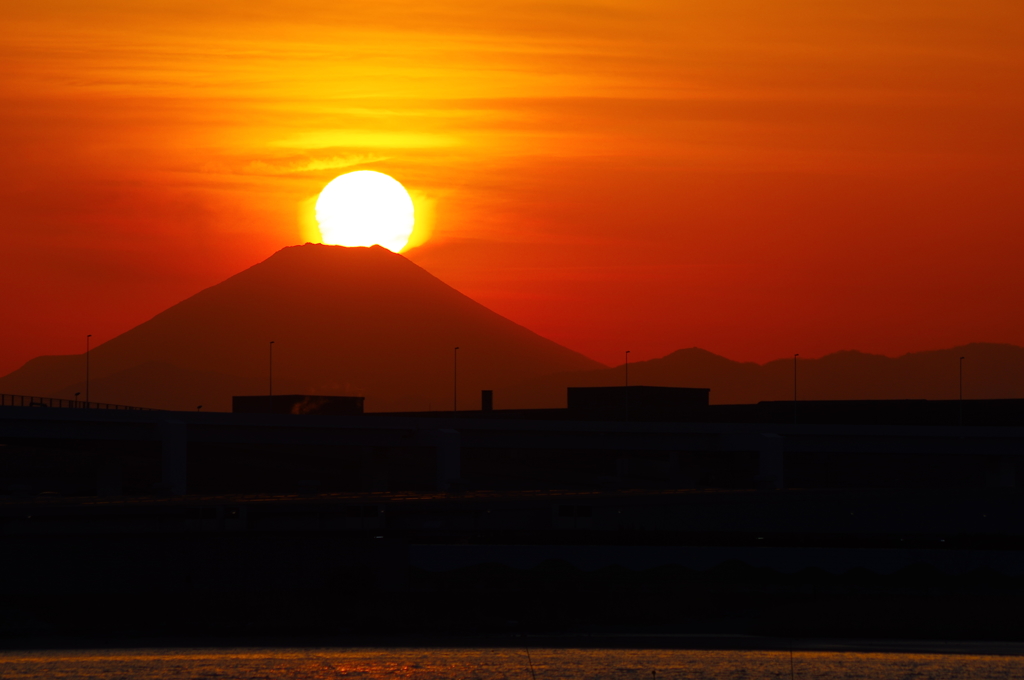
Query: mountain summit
[344, 321]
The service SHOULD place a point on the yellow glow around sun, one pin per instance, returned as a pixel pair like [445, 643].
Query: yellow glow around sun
[365, 208]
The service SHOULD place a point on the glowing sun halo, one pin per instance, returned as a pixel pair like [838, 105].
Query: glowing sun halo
[365, 208]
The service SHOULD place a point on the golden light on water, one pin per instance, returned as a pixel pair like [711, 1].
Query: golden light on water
[365, 208]
[509, 662]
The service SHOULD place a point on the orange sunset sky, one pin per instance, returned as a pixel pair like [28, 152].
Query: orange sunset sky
[753, 178]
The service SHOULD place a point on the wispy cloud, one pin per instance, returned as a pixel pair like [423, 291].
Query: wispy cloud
[327, 139]
[298, 165]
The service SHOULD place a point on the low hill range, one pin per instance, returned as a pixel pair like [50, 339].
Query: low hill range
[369, 322]
[991, 371]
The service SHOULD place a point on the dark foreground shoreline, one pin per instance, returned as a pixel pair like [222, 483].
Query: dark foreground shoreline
[654, 641]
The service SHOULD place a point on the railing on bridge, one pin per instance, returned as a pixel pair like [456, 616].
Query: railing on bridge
[50, 402]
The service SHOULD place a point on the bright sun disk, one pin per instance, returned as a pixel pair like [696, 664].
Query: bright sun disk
[365, 208]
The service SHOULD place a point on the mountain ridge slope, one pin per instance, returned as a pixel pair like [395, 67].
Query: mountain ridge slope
[991, 371]
[344, 321]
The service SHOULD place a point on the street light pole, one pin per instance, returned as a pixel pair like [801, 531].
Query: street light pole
[88, 343]
[961, 391]
[794, 376]
[455, 381]
[270, 379]
[627, 386]
[794, 387]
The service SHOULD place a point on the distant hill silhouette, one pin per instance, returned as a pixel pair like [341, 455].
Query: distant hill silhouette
[368, 322]
[991, 371]
[345, 321]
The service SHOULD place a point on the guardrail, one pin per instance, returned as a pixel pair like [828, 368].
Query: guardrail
[50, 402]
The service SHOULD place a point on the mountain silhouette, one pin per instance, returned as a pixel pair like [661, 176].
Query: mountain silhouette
[368, 322]
[344, 321]
[991, 371]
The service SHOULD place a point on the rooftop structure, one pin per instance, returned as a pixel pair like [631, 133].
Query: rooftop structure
[299, 405]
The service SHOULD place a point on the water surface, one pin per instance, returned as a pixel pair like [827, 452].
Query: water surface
[496, 664]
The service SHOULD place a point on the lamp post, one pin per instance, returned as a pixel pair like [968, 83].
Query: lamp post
[626, 400]
[794, 387]
[455, 381]
[76, 399]
[961, 391]
[88, 342]
[270, 378]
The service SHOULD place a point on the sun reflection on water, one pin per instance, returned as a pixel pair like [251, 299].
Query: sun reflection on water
[497, 664]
